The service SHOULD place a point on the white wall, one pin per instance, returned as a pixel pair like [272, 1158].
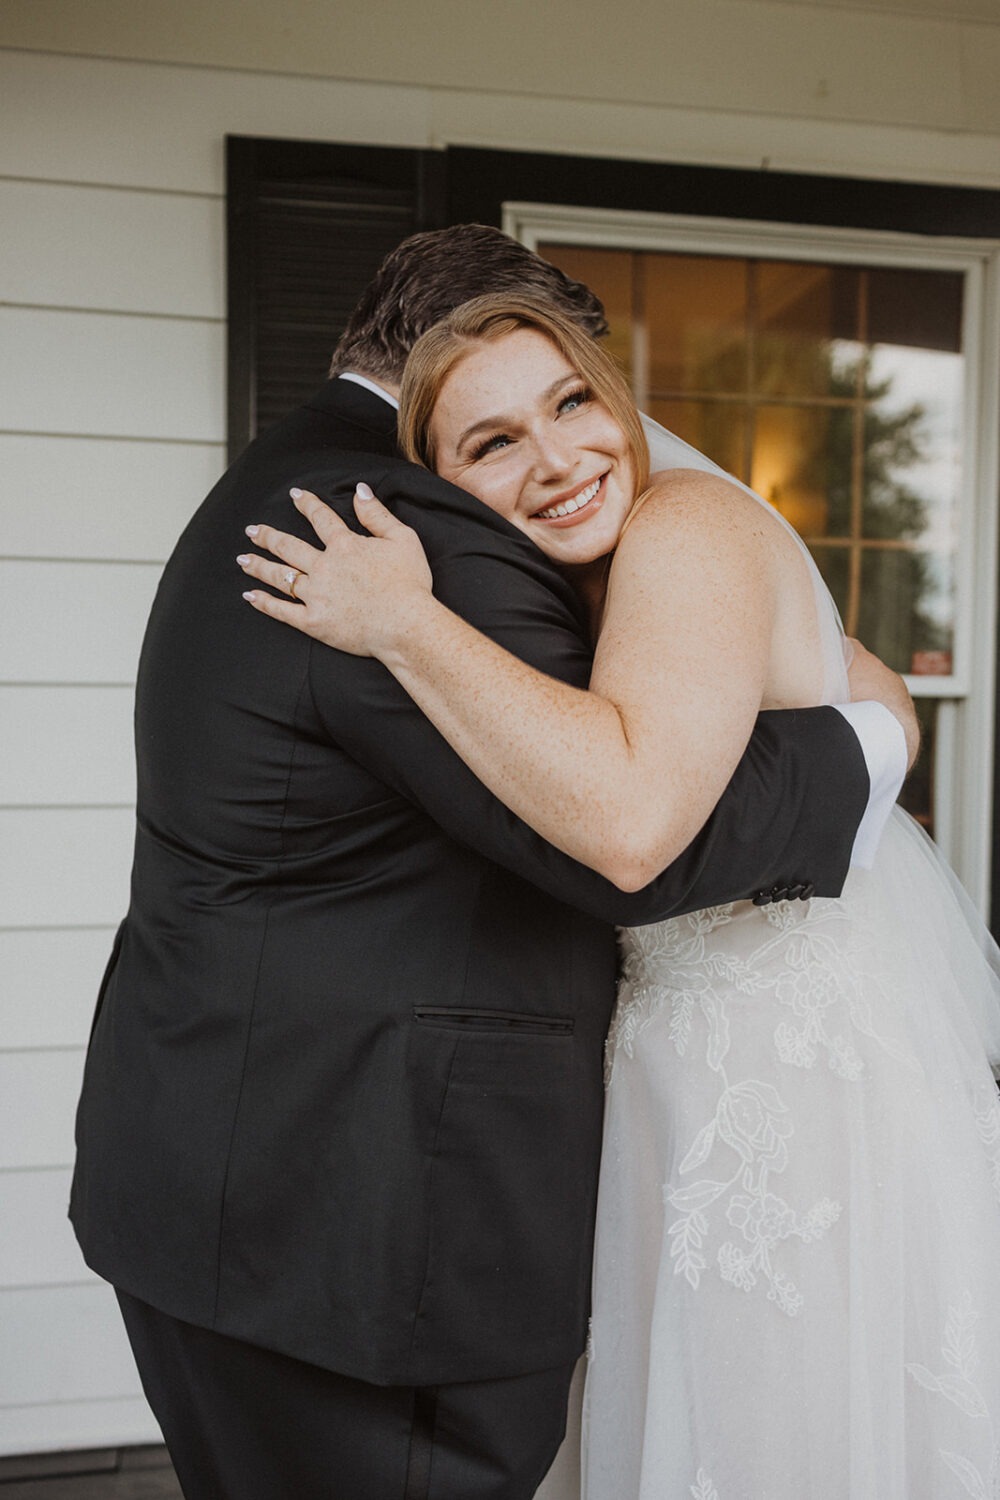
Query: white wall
[925, 63]
[112, 387]
[111, 405]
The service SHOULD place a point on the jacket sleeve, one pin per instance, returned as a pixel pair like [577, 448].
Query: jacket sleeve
[788, 816]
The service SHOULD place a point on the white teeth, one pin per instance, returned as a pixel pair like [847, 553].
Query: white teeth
[567, 507]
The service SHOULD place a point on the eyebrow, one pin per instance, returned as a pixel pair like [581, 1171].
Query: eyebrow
[490, 423]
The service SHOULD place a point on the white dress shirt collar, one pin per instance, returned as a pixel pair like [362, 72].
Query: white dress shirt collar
[370, 385]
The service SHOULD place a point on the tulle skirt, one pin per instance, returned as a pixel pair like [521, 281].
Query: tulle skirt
[797, 1269]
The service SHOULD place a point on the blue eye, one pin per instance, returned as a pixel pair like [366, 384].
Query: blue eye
[575, 400]
[492, 444]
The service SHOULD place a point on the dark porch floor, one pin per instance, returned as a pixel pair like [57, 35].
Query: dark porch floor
[97, 1474]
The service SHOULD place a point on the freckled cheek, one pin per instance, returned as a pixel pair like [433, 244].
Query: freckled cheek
[625, 484]
[606, 435]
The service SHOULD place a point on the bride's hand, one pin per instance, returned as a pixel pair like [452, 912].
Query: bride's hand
[358, 593]
[870, 678]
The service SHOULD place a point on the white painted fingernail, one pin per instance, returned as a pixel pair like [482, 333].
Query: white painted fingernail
[249, 598]
[243, 559]
[252, 530]
[365, 491]
[295, 494]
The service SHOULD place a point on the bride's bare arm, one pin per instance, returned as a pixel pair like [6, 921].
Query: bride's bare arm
[621, 777]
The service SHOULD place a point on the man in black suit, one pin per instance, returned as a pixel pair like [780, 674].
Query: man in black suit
[340, 1125]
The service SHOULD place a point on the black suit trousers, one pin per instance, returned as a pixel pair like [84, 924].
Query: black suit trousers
[246, 1423]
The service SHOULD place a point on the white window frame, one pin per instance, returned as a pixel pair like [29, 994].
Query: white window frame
[963, 781]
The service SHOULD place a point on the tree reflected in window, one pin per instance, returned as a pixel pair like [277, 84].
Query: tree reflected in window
[836, 391]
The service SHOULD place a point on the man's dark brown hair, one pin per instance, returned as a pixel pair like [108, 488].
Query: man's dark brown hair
[429, 275]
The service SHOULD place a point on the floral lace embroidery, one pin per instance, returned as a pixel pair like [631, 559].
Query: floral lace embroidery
[752, 1120]
[795, 956]
[703, 1488]
[958, 1386]
[666, 948]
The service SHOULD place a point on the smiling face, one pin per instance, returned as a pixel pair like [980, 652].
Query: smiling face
[516, 425]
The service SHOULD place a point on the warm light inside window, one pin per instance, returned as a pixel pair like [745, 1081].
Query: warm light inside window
[836, 391]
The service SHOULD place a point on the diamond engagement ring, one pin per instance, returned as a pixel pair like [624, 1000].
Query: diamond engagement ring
[291, 579]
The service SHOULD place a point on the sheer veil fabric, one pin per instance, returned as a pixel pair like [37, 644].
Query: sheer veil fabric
[797, 1267]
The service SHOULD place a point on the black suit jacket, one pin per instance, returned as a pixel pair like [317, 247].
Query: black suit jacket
[343, 1094]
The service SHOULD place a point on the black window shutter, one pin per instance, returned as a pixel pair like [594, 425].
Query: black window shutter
[307, 225]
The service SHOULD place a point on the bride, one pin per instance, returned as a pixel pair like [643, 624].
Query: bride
[796, 1289]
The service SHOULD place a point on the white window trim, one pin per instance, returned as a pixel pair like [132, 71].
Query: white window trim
[963, 789]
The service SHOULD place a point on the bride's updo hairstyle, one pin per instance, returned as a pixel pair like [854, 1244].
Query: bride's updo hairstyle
[485, 320]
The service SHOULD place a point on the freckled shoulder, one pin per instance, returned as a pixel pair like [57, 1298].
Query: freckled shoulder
[690, 502]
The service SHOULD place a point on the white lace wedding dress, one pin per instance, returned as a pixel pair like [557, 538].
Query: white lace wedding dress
[797, 1269]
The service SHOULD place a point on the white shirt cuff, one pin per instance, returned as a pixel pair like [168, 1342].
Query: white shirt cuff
[883, 745]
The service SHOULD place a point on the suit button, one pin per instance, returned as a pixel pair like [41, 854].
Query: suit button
[776, 893]
[794, 892]
[808, 890]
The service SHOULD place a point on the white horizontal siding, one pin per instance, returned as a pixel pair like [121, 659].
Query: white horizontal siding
[89, 498]
[51, 1257]
[794, 59]
[66, 745]
[38, 1093]
[65, 122]
[707, 137]
[969, 10]
[80, 1352]
[111, 432]
[980, 62]
[65, 867]
[116, 375]
[90, 629]
[89, 120]
[45, 1425]
[50, 982]
[86, 247]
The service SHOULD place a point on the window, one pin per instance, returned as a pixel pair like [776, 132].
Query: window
[839, 380]
[813, 272]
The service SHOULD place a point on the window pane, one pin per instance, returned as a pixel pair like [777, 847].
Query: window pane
[718, 428]
[836, 392]
[803, 313]
[917, 795]
[802, 465]
[921, 309]
[913, 438]
[695, 309]
[834, 564]
[906, 607]
[609, 274]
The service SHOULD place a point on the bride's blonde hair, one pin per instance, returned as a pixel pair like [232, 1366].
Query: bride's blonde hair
[484, 320]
